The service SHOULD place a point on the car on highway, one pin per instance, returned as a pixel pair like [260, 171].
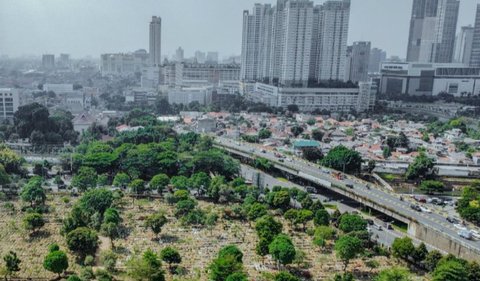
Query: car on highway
[465, 233]
[311, 189]
[416, 208]
[460, 226]
[349, 185]
[425, 209]
[263, 151]
[377, 227]
[453, 220]
[475, 234]
[369, 221]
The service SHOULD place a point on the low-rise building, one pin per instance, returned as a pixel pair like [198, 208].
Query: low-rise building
[121, 64]
[9, 102]
[188, 95]
[310, 99]
[401, 78]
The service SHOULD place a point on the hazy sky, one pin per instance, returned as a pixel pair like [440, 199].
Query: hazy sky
[92, 27]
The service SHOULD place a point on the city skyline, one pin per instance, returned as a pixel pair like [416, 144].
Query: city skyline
[24, 24]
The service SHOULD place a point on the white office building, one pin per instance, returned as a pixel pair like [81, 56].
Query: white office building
[429, 79]
[150, 77]
[156, 41]
[200, 75]
[9, 102]
[186, 96]
[310, 99]
[121, 64]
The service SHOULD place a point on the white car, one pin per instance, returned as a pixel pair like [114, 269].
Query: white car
[425, 209]
[460, 226]
[467, 234]
[475, 234]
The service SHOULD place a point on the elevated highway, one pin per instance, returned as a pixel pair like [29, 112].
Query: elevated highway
[429, 227]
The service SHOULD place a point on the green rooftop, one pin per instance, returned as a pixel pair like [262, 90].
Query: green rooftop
[299, 144]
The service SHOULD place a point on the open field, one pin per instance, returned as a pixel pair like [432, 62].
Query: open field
[198, 247]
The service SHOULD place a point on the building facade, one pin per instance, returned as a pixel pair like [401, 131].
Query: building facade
[48, 61]
[178, 75]
[433, 26]
[179, 55]
[310, 99]
[475, 56]
[358, 59]
[463, 45]
[9, 102]
[186, 96]
[429, 79]
[294, 42]
[377, 56]
[155, 49]
[124, 64]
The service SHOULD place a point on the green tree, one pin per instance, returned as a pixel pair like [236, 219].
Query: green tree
[317, 135]
[85, 179]
[293, 108]
[450, 270]
[222, 267]
[111, 230]
[285, 276]
[387, 152]
[264, 134]
[121, 180]
[323, 234]
[282, 249]
[180, 182]
[279, 199]
[347, 248]
[237, 276]
[4, 177]
[12, 263]
[432, 259]
[267, 227]
[322, 217]
[403, 247]
[147, 267]
[82, 241]
[137, 186]
[343, 159]
[394, 274]
[422, 166]
[256, 210]
[184, 207]
[312, 154]
[56, 262]
[296, 130]
[111, 215]
[159, 182]
[155, 222]
[303, 216]
[352, 222]
[33, 192]
[33, 222]
[231, 250]
[431, 186]
[171, 256]
[420, 253]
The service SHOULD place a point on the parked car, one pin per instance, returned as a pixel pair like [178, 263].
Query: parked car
[425, 209]
[377, 226]
[369, 221]
[311, 189]
[349, 185]
[475, 234]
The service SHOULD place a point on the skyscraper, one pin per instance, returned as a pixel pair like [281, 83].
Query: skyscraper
[212, 57]
[295, 41]
[179, 54]
[48, 61]
[463, 45]
[475, 56]
[156, 41]
[377, 56]
[432, 30]
[329, 43]
[357, 61]
[200, 56]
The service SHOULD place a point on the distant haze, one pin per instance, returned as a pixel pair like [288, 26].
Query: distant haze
[92, 27]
